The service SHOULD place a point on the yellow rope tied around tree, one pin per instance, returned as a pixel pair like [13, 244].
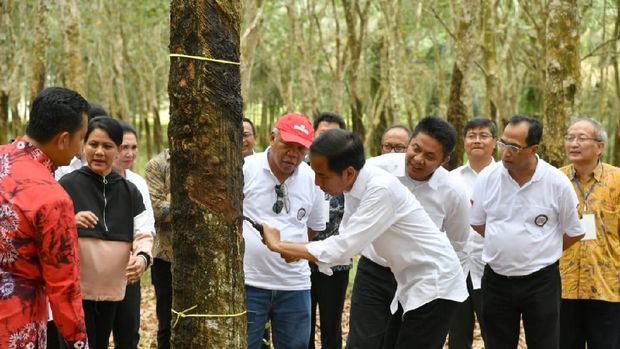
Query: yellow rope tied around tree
[184, 314]
[204, 58]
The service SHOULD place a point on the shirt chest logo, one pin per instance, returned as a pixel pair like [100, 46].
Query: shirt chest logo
[541, 220]
[301, 213]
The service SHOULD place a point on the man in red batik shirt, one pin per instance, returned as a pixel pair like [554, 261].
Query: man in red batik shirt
[38, 238]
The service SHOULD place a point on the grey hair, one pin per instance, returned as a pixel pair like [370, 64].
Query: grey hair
[599, 129]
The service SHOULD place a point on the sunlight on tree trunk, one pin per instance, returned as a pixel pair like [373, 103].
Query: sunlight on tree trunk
[205, 137]
[562, 77]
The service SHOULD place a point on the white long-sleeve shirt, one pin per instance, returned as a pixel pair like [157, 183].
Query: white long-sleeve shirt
[380, 211]
[442, 197]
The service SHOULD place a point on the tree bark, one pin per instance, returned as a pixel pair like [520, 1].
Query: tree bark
[74, 72]
[253, 14]
[356, 18]
[5, 66]
[616, 151]
[459, 105]
[39, 50]
[562, 76]
[205, 137]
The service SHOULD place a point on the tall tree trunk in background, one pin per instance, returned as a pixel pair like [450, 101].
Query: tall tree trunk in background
[74, 72]
[459, 105]
[118, 62]
[147, 136]
[253, 15]
[616, 151]
[492, 100]
[158, 134]
[303, 43]
[207, 184]
[18, 125]
[562, 76]
[5, 66]
[378, 118]
[356, 17]
[39, 51]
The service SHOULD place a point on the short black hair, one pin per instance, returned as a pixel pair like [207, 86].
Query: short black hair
[440, 130]
[55, 110]
[535, 129]
[96, 109]
[329, 117]
[480, 121]
[251, 124]
[107, 124]
[341, 148]
[127, 128]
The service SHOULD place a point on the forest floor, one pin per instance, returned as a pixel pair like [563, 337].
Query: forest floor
[148, 324]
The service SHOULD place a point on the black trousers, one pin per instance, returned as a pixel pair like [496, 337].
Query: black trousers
[594, 322]
[426, 327]
[535, 297]
[461, 335]
[373, 290]
[54, 338]
[126, 328]
[161, 276]
[328, 292]
[99, 317]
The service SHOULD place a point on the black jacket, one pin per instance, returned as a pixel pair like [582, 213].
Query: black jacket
[112, 198]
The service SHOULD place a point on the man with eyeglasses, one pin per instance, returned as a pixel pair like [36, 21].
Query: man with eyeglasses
[479, 143]
[279, 189]
[420, 170]
[525, 209]
[395, 139]
[590, 269]
[249, 137]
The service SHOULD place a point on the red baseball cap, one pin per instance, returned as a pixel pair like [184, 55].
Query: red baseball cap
[296, 128]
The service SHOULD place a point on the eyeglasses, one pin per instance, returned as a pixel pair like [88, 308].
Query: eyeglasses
[511, 148]
[281, 199]
[475, 136]
[398, 148]
[579, 139]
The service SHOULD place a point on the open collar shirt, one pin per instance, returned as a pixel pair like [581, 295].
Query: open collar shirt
[524, 224]
[442, 197]
[475, 241]
[591, 268]
[39, 255]
[263, 268]
[380, 211]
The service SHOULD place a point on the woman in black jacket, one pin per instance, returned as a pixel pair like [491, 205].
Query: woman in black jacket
[114, 238]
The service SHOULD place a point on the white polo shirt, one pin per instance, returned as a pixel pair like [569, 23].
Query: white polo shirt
[467, 177]
[524, 225]
[442, 197]
[380, 211]
[263, 268]
[140, 183]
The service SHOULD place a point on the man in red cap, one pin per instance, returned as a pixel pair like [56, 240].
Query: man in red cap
[279, 189]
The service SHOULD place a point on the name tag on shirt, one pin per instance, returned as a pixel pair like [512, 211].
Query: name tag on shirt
[589, 223]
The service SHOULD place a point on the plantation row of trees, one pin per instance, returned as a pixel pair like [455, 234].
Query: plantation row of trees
[376, 62]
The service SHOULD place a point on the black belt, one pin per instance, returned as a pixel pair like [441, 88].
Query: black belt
[537, 272]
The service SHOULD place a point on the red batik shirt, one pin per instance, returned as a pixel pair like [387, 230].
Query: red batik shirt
[39, 255]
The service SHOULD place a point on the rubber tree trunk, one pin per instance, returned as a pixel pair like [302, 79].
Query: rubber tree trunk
[205, 138]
